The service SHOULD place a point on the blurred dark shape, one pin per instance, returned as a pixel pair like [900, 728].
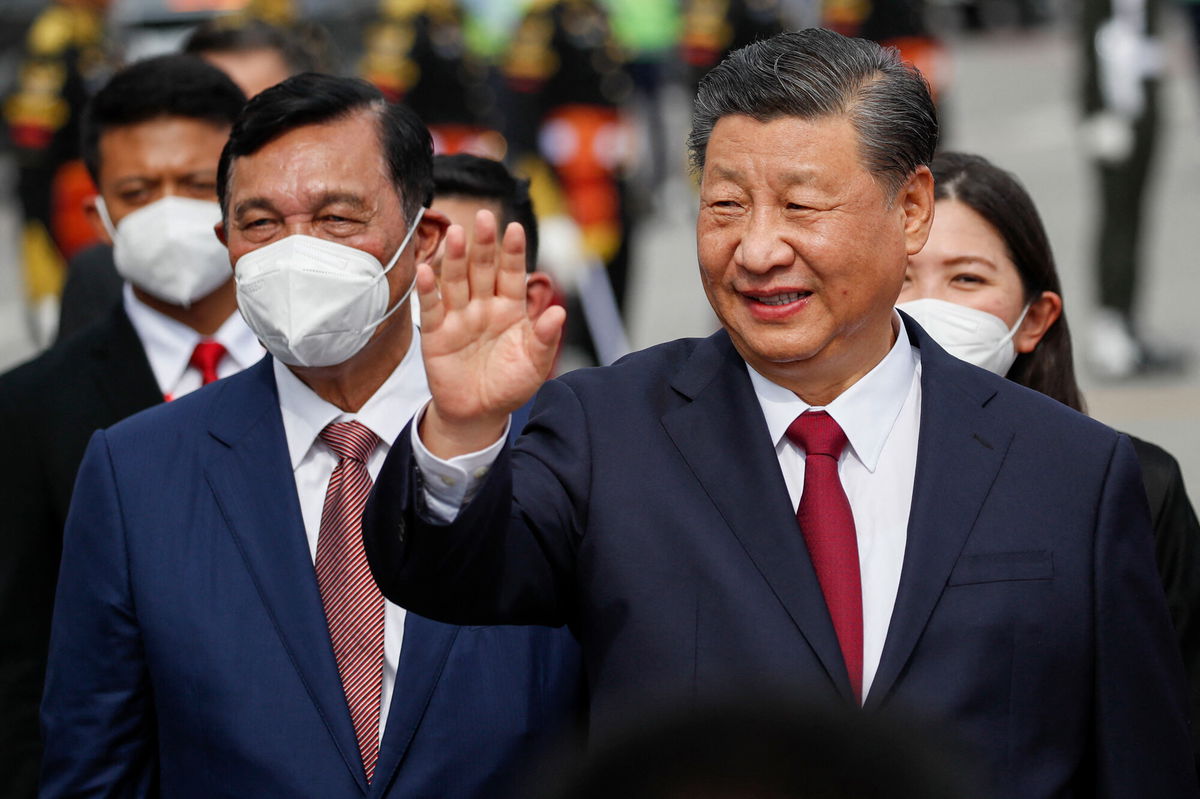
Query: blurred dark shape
[417, 52]
[565, 87]
[893, 23]
[1123, 63]
[93, 287]
[713, 28]
[64, 57]
[303, 46]
[770, 747]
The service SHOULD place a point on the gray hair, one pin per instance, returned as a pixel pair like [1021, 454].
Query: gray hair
[817, 73]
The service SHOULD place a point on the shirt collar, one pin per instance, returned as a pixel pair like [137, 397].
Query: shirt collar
[386, 413]
[866, 411]
[169, 343]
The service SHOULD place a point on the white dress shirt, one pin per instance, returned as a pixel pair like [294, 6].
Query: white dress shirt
[169, 345]
[305, 415]
[881, 416]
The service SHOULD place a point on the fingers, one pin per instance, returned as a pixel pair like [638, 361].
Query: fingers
[482, 270]
[454, 287]
[547, 330]
[432, 309]
[510, 282]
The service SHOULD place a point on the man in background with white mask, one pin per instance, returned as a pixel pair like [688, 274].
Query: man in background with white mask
[152, 138]
[217, 631]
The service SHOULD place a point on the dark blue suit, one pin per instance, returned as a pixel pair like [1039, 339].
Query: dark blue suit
[645, 506]
[190, 655]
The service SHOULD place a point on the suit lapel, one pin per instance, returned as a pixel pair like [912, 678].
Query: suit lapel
[723, 437]
[959, 452]
[121, 370]
[250, 474]
[423, 656]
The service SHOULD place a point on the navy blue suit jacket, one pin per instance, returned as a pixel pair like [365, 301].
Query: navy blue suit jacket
[645, 506]
[190, 655]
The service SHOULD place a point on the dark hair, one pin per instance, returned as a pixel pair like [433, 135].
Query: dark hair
[772, 747]
[476, 178]
[313, 99]
[304, 48]
[166, 86]
[818, 73]
[1002, 201]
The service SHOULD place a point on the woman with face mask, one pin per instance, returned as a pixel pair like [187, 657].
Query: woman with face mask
[985, 287]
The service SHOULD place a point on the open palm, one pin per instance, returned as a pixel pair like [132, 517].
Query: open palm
[484, 357]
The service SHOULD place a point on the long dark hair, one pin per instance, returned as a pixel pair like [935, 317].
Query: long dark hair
[1000, 198]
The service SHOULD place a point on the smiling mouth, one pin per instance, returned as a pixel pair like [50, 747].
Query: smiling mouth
[782, 299]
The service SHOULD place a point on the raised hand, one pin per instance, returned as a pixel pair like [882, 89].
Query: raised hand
[484, 356]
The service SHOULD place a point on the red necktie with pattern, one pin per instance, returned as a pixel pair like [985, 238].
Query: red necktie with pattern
[827, 524]
[205, 357]
[354, 608]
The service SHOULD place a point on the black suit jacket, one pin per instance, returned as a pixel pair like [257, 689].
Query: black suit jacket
[92, 288]
[49, 408]
[644, 504]
[1177, 550]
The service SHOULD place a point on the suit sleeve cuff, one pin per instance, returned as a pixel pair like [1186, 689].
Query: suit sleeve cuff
[448, 485]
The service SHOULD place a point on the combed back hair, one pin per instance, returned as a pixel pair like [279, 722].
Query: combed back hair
[998, 197]
[313, 99]
[166, 86]
[304, 48]
[817, 73]
[474, 178]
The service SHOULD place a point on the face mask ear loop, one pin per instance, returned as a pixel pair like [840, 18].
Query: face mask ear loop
[105, 219]
[1012, 331]
[407, 237]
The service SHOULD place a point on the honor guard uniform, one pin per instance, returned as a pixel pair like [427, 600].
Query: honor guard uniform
[416, 51]
[712, 28]
[64, 57]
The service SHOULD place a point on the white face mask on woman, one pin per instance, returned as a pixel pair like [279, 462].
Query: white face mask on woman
[168, 248]
[314, 302]
[972, 335]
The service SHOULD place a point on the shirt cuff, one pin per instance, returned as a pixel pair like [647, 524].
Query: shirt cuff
[448, 485]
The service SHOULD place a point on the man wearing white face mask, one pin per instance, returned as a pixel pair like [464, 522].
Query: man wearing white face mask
[258, 631]
[152, 138]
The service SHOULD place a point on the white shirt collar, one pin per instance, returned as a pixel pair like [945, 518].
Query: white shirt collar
[169, 343]
[386, 413]
[866, 411]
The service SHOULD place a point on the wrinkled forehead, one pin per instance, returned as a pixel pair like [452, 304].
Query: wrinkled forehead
[342, 156]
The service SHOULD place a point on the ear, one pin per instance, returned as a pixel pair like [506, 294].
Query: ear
[222, 235]
[539, 293]
[1042, 315]
[93, 218]
[430, 232]
[916, 200]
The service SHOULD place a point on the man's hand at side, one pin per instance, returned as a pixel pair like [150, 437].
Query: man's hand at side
[484, 357]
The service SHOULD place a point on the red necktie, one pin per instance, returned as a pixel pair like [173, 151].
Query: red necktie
[827, 524]
[354, 608]
[205, 357]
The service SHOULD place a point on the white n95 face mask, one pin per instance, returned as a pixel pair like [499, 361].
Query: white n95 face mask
[168, 248]
[314, 302]
[972, 335]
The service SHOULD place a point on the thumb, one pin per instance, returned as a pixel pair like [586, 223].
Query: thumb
[547, 330]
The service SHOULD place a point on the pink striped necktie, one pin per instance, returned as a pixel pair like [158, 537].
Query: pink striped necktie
[827, 525]
[354, 608]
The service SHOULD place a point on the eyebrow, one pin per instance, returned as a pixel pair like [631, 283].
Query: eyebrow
[323, 201]
[157, 178]
[788, 176]
[959, 260]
